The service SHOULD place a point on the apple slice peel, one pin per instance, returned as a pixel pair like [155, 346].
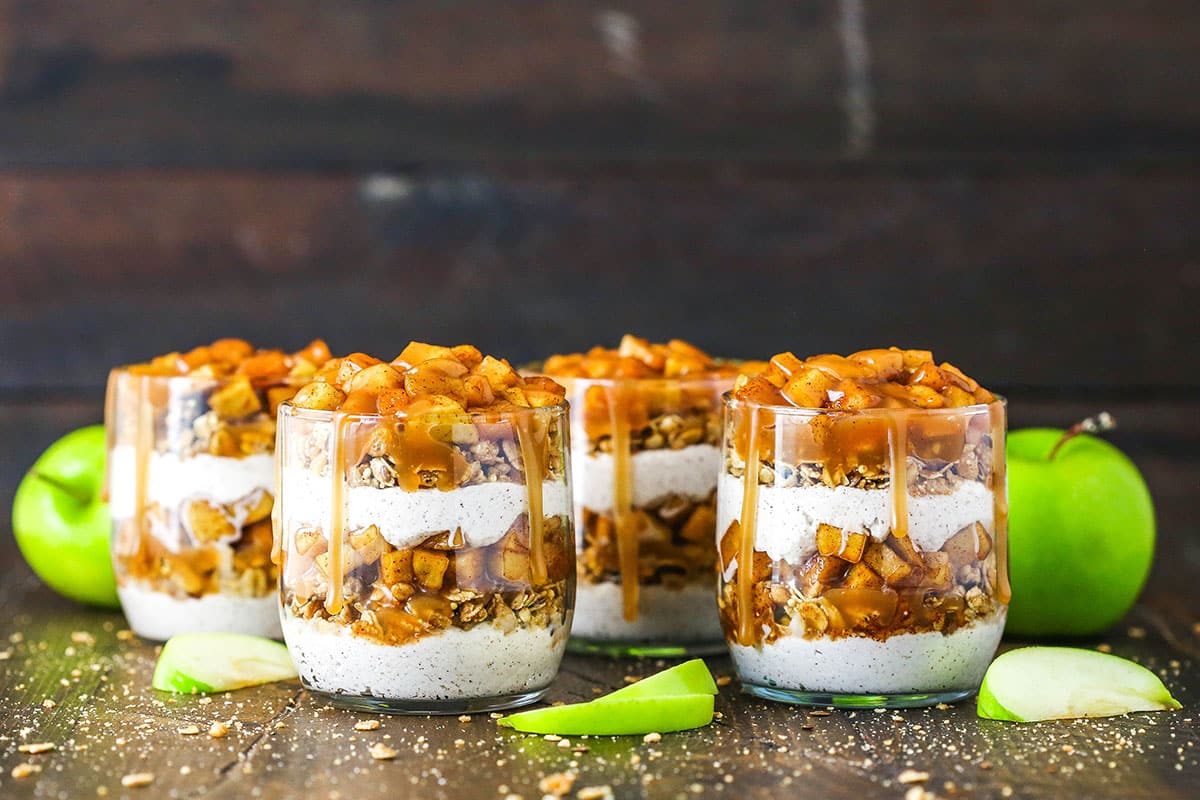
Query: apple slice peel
[1033, 684]
[675, 699]
[202, 663]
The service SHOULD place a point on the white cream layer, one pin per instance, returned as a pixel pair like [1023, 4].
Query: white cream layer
[666, 617]
[157, 615]
[170, 479]
[690, 471]
[786, 518]
[453, 665]
[907, 663]
[484, 512]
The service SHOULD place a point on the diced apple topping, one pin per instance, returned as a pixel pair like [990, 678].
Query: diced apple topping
[891, 378]
[229, 357]
[425, 379]
[639, 358]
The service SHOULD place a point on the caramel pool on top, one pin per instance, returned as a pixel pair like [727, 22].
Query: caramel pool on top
[236, 357]
[425, 378]
[891, 378]
[638, 358]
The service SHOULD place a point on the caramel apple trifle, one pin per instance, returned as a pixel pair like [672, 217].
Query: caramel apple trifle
[862, 510]
[425, 528]
[191, 482]
[645, 458]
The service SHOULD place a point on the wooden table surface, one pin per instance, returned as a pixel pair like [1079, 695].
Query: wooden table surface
[72, 677]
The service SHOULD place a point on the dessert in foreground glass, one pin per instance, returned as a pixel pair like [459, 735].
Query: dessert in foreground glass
[424, 522]
[863, 514]
[646, 433]
[191, 482]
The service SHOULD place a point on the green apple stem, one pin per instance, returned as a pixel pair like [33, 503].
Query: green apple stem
[1103, 421]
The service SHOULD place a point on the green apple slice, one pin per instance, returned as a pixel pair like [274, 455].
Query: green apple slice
[1039, 683]
[199, 663]
[614, 717]
[690, 677]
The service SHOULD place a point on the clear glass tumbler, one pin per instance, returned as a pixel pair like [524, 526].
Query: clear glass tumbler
[191, 483]
[645, 461]
[863, 554]
[425, 569]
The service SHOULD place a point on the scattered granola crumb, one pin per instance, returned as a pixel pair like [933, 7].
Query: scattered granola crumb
[82, 637]
[218, 729]
[48, 703]
[1104, 647]
[557, 784]
[1137, 632]
[495, 715]
[189, 730]
[185, 770]
[942, 706]
[36, 747]
[565, 744]
[652, 738]
[204, 701]
[25, 770]
[604, 792]
[632, 678]
[124, 635]
[367, 725]
[381, 752]
[985, 765]
[724, 680]
[552, 737]
[912, 776]
[818, 713]
[918, 793]
[137, 780]
[464, 718]
[460, 743]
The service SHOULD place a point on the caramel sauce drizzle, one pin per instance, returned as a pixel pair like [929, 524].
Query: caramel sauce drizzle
[110, 431]
[143, 446]
[276, 519]
[337, 474]
[533, 456]
[1000, 499]
[747, 631]
[625, 522]
[898, 445]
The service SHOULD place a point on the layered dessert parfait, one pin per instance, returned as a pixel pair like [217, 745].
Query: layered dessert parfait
[425, 530]
[646, 456]
[191, 483]
[862, 510]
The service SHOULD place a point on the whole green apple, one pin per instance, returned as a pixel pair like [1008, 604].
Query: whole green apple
[1081, 533]
[61, 523]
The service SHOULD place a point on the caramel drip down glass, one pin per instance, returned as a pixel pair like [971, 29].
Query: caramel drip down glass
[863, 555]
[645, 461]
[426, 563]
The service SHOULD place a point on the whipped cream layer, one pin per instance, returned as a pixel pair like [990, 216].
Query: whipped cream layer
[157, 615]
[906, 663]
[455, 664]
[484, 512]
[787, 518]
[690, 471]
[665, 616]
[171, 479]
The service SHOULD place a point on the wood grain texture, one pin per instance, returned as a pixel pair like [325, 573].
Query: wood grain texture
[366, 83]
[1026, 280]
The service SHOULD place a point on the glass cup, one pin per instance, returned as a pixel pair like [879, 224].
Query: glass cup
[424, 570]
[645, 462]
[863, 590]
[190, 481]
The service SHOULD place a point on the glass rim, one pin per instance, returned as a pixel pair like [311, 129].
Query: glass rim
[126, 371]
[733, 403]
[328, 415]
[708, 381]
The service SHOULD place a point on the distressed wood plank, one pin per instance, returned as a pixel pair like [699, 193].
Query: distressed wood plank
[1028, 280]
[363, 83]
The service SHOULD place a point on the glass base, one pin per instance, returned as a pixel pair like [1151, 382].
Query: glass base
[826, 699]
[467, 705]
[630, 649]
